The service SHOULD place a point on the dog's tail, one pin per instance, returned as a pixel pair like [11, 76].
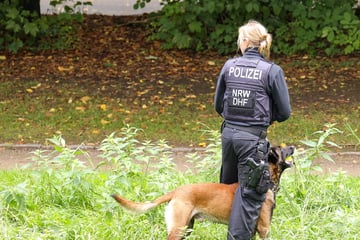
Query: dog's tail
[137, 207]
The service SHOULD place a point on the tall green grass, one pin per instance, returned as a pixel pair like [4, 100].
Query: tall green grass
[62, 197]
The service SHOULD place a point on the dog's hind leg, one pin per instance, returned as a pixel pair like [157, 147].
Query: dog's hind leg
[178, 217]
[190, 227]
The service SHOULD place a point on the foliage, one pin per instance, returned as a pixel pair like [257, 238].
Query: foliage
[63, 197]
[298, 26]
[208, 165]
[316, 206]
[318, 146]
[22, 28]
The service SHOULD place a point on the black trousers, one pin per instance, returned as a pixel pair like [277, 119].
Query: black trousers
[237, 146]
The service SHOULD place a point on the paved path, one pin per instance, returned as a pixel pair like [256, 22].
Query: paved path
[17, 156]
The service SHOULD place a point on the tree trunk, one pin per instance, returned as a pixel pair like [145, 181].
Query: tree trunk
[31, 5]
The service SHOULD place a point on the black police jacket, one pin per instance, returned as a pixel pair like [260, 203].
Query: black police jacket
[251, 91]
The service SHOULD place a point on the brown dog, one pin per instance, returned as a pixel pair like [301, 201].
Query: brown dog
[212, 201]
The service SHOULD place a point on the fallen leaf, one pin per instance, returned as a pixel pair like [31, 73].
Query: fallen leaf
[104, 122]
[65, 69]
[80, 108]
[85, 99]
[103, 107]
[95, 131]
[202, 144]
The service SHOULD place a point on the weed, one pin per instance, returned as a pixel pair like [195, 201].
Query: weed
[63, 197]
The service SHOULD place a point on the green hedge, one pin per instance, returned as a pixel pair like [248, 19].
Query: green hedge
[297, 26]
[21, 28]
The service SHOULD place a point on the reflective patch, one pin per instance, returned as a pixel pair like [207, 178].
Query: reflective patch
[242, 98]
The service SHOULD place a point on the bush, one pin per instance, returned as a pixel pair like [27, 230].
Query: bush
[21, 28]
[298, 26]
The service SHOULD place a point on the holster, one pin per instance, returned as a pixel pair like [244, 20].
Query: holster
[265, 181]
[259, 176]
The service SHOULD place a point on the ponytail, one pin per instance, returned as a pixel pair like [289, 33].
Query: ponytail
[258, 37]
[264, 45]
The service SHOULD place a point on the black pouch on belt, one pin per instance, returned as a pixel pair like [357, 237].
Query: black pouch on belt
[264, 182]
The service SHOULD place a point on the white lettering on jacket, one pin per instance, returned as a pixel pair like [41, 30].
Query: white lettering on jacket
[250, 73]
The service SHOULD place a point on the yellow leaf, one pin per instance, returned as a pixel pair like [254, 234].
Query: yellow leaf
[2, 57]
[80, 108]
[95, 131]
[104, 122]
[85, 99]
[202, 144]
[29, 90]
[211, 63]
[191, 96]
[37, 86]
[65, 69]
[103, 107]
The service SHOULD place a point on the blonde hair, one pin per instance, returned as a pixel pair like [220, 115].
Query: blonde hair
[257, 35]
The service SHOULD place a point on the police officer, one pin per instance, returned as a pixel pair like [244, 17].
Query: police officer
[250, 94]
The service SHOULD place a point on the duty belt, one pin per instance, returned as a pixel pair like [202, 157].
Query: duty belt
[260, 132]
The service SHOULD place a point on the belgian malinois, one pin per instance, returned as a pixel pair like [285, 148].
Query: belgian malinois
[212, 201]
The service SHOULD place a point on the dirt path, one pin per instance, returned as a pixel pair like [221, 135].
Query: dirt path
[12, 157]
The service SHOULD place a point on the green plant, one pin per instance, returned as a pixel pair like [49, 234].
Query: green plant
[24, 29]
[297, 26]
[312, 206]
[354, 133]
[14, 197]
[127, 156]
[316, 148]
[208, 164]
[62, 178]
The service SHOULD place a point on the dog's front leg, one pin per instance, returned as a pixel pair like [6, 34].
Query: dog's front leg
[263, 223]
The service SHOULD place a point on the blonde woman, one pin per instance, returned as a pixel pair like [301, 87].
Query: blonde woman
[250, 94]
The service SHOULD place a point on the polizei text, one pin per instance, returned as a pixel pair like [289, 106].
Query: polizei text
[241, 72]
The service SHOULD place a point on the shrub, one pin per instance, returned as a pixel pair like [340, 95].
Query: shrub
[21, 28]
[298, 26]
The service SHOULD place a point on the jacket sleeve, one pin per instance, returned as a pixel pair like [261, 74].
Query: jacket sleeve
[220, 91]
[281, 108]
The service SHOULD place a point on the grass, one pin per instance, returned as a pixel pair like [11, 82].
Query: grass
[41, 112]
[61, 198]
